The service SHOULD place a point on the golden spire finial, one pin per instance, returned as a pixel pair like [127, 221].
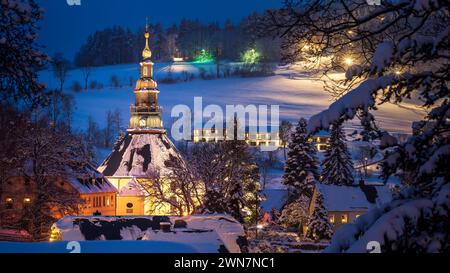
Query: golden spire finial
[146, 53]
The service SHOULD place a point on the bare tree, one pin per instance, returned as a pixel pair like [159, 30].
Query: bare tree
[87, 71]
[60, 67]
[177, 188]
[285, 134]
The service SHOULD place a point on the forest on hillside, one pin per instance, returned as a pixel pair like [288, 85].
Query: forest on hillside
[188, 39]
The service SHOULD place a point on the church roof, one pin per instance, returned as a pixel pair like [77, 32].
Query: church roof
[138, 154]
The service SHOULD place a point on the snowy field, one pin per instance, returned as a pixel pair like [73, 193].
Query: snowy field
[297, 94]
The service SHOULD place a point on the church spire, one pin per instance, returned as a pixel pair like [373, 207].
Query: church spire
[146, 53]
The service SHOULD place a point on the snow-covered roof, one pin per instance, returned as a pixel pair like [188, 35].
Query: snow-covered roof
[322, 133]
[202, 233]
[354, 198]
[275, 199]
[136, 154]
[90, 181]
[133, 188]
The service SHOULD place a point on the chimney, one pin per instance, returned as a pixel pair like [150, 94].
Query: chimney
[165, 226]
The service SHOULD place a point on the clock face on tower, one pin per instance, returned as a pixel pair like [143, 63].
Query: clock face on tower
[142, 123]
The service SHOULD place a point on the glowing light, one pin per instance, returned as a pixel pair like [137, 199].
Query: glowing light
[398, 72]
[251, 56]
[344, 219]
[259, 226]
[350, 32]
[332, 219]
[204, 57]
[175, 59]
[9, 200]
[348, 61]
[27, 200]
[185, 214]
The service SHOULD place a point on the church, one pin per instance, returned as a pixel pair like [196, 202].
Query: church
[145, 148]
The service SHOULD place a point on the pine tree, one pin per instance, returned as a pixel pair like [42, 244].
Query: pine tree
[337, 165]
[319, 227]
[301, 165]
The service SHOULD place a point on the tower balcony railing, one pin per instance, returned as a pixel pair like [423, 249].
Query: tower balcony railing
[146, 109]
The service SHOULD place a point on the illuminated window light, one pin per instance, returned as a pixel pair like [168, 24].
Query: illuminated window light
[27, 200]
[332, 219]
[344, 219]
[357, 216]
[9, 200]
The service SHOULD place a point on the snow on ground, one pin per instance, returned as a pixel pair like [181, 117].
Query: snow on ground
[298, 94]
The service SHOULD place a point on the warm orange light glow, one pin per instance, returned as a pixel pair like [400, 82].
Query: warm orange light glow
[332, 219]
[185, 214]
[27, 200]
[344, 219]
[348, 61]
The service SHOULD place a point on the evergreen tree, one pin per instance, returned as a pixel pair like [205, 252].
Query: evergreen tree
[319, 227]
[301, 166]
[20, 57]
[337, 165]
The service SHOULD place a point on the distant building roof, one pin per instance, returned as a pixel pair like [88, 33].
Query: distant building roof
[322, 133]
[354, 198]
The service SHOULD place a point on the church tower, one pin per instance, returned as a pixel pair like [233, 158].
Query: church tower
[146, 113]
[144, 149]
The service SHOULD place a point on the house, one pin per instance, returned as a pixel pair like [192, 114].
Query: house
[253, 137]
[96, 192]
[321, 140]
[346, 203]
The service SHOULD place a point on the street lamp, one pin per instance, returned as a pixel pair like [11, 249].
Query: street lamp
[348, 61]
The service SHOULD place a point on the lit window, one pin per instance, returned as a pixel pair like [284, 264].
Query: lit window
[357, 216]
[145, 71]
[27, 200]
[9, 203]
[332, 219]
[344, 219]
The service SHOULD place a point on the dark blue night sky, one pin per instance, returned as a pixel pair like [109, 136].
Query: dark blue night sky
[65, 28]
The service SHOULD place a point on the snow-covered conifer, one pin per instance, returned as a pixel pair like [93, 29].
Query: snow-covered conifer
[337, 165]
[301, 166]
[319, 227]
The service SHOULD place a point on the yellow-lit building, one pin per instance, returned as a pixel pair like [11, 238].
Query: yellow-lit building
[252, 137]
[96, 194]
[144, 150]
[321, 140]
